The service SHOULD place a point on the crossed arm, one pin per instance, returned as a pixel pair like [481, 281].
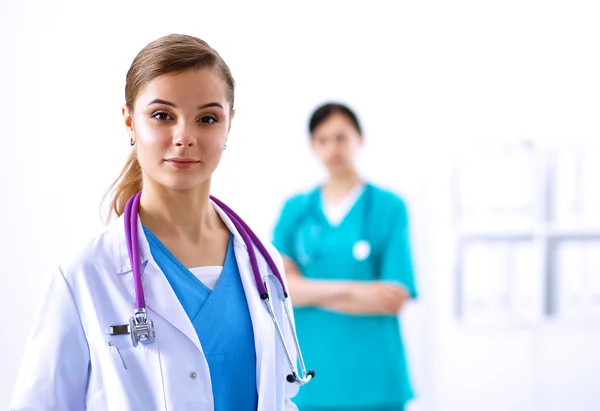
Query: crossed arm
[350, 297]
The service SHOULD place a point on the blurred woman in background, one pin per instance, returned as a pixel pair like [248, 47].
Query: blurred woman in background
[347, 255]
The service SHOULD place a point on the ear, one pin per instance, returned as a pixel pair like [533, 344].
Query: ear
[128, 118]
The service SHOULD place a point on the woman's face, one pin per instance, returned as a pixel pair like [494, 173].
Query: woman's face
[335, 142]
[180, 124]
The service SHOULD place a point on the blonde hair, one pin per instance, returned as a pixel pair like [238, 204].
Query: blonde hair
[169, 54]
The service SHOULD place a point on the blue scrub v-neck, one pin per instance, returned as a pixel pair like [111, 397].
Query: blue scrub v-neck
[222, 321]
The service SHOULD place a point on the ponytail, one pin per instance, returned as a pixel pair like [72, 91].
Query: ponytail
[125, 186]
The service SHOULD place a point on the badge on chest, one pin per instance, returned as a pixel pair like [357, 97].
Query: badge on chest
[361, 250]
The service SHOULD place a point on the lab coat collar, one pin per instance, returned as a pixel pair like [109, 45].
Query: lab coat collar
[123, 262]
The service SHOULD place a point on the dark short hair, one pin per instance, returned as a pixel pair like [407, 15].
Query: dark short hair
[327, 110]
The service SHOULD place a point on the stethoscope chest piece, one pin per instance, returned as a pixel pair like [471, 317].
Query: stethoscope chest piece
[141, 329]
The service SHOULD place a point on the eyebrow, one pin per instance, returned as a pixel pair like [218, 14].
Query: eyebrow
[168, 103]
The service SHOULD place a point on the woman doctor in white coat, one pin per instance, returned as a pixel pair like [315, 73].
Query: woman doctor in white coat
[215, 345]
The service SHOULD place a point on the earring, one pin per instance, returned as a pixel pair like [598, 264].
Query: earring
[224, 147]
[132, 142]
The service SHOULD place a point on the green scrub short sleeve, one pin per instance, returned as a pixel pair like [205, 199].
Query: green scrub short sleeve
[284, 231]
[397, 261]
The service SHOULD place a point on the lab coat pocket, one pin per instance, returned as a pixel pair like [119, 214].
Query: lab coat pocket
[96, 401]
[134, 380]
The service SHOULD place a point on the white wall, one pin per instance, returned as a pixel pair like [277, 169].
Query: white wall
[427, 78]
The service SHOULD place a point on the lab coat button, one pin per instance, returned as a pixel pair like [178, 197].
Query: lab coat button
[193, 375]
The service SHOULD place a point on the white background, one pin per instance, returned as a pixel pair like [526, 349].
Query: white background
[427, 79]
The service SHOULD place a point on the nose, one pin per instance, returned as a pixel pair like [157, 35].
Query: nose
[183, 141]
[183, 137]
[332, 146]
[334, 142]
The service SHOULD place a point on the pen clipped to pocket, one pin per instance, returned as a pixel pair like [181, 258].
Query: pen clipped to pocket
[110, 343]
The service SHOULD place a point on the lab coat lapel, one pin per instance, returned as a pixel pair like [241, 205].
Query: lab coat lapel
[264, 330]
[264, 333]
[161, 299]
[158, 293]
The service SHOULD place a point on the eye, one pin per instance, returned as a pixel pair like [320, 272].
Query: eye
[208, 119]
[161, 116]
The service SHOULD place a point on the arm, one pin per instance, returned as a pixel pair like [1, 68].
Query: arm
[350, 297]
[397, 261]
[313, 292]
[54, 372]
[372, 298]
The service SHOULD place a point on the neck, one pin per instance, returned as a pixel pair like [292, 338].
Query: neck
[340, 184]
[182, 213]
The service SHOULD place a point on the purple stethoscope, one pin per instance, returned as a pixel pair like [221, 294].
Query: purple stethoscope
[141, 329]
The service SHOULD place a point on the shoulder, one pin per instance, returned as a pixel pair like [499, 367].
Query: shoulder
[300, 200]
[296, 204]
[387, 201]
[99, 254]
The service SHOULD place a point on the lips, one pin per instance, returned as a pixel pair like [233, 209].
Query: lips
[182, 162]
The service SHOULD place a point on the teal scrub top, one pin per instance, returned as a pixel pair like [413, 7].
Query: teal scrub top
[359, 360]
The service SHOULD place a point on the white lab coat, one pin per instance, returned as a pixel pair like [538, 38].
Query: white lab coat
[69, 365]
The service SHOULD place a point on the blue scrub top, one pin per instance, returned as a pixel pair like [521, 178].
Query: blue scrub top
[222, 321]
[359, 359]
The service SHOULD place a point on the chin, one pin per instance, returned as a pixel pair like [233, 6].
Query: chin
[186, 184]
[338, 167]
